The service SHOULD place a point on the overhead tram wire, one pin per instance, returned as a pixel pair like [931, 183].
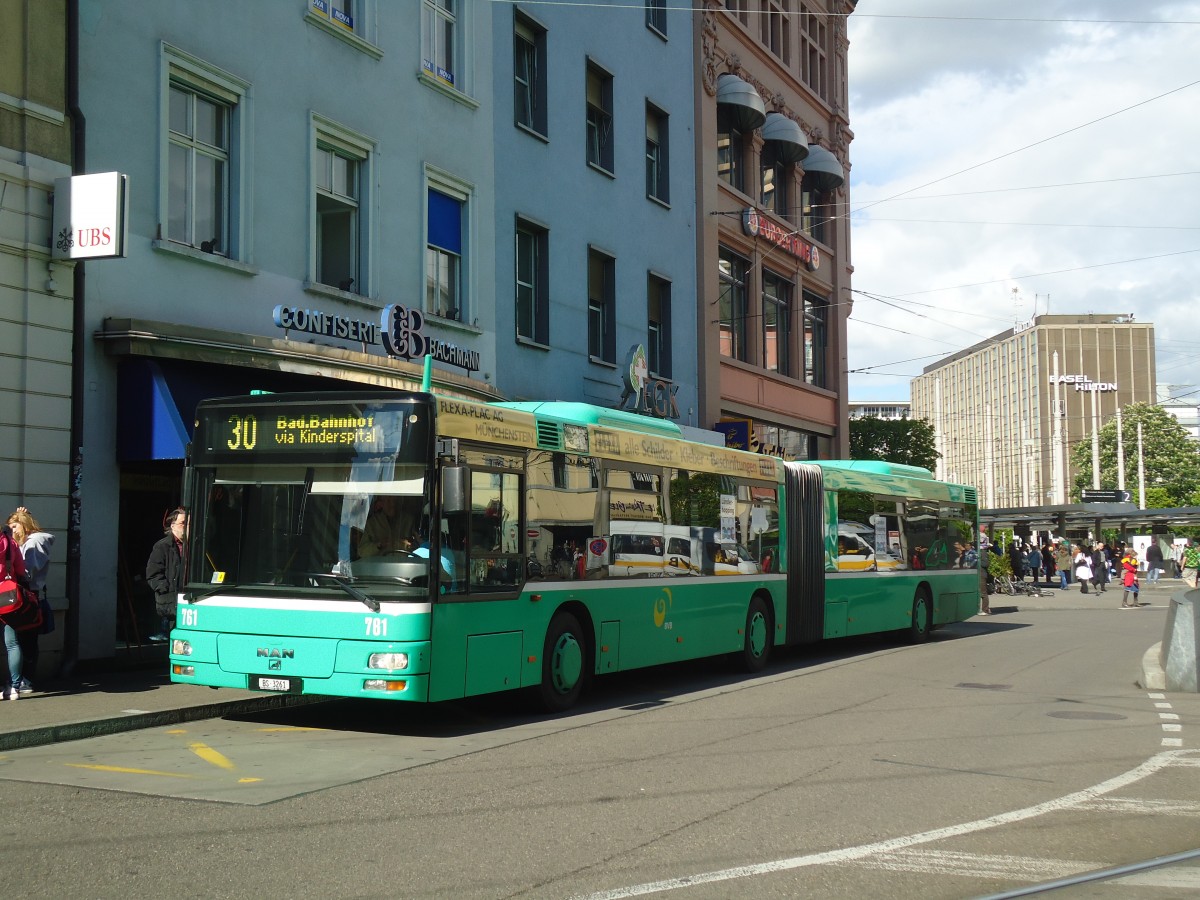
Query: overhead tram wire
[1027, 187]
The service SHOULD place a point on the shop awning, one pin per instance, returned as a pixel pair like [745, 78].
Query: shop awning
[791, 144]
[822, 169]
[738, 104]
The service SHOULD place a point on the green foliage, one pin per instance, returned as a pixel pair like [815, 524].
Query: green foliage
[998, 565]
[906, 441]
[1170, 460]
[696, 499]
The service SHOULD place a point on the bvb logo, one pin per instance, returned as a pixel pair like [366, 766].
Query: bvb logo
[401, 332]
[661, 605]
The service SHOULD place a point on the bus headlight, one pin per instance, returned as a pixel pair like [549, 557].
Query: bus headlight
[181, 648]
[389, 661]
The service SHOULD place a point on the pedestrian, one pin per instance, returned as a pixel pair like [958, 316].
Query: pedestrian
[1048, 562]
[1100, 567]
[1191, 562]
[1129, 569]
[12, 566]
[1017, 560]
[1033, 561]
[1062, 561]
[1083, 569]
[165, 572]
[1177, 558]
[35, 544]
[1154, 561]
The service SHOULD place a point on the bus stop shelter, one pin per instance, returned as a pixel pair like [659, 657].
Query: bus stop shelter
[1079, 520]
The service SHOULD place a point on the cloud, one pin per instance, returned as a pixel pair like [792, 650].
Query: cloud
[1000, 169]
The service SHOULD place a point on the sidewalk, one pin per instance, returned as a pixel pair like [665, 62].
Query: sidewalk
[1152, 595]
[107, 702]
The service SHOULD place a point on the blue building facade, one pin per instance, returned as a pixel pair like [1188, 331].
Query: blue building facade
[595, 203]
[301, 177]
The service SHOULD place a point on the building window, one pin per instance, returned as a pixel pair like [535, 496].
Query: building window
[439, 22]
[602, 342]
[656, 16]
[731, 305]
[443, 256]
[816, 210]
[599, 118]
[658, 331]
[529, 74]
[814, 48]
[201, 160]
[739, 8]
[341, 165]
[657, 169]
[351, 20]
[198, 183]
[816, 309]
[776, 323]
[533, 277]
[774, 23]
[730, 149]
[775, 175]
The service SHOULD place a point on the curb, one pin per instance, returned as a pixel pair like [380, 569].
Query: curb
[1153, 677]
[77, 731]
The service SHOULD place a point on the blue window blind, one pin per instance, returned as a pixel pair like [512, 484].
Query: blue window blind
[445, 222]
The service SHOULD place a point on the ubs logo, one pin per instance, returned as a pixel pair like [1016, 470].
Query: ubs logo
[402, 335]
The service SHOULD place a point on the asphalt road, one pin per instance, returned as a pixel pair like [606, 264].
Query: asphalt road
[1010, 750]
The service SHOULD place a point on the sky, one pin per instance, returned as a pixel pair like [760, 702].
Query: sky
[1016, 158]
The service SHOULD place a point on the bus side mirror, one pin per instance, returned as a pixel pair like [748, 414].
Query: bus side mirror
[455, 492]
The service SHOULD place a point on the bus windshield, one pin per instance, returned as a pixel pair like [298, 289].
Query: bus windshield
[315, 501]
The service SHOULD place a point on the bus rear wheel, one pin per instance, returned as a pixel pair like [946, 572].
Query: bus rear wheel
[563, 657]
[756, 648]
[922, 617]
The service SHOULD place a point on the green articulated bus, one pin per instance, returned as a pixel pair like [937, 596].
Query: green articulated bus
[412, 546]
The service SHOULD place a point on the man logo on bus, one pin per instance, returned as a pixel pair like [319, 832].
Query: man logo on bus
[401, 332]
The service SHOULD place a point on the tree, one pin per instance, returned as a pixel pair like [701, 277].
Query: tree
[1171, 461]
[906, 441]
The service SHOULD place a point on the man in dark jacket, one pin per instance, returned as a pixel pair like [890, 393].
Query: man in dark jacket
[166, 571]
[1100, 567]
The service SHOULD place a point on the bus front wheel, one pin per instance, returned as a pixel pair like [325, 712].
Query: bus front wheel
[922, 617]
[756, 648]
[563, 659]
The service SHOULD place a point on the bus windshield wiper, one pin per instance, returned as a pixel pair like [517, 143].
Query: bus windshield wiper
[196, 598]
[340, 580]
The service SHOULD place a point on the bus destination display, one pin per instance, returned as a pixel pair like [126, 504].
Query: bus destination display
[254, 431]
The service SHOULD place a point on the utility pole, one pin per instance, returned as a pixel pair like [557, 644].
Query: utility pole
[1120, 453]
[1141, 472]
[1095, 441]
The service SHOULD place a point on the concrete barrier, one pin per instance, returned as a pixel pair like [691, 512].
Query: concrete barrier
[1178, 653]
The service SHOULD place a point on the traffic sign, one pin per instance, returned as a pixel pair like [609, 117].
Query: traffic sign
[1090, 496]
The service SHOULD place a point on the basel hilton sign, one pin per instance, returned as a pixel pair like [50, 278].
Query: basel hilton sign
[1083, 383]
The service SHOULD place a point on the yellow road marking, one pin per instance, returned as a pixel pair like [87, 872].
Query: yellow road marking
[209, 755]
[177, 731]
[292, 728]
[248, 780]
[127, 771]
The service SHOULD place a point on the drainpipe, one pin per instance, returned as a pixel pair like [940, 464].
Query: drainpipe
[78, 382]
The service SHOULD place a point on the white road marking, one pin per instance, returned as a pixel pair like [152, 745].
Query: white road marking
[1162, 705]
[1172, 742]
[1167, 727]
[946, 862]
[1151, 807]
[1157, 696]
[846, 854]
[1172, 716]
